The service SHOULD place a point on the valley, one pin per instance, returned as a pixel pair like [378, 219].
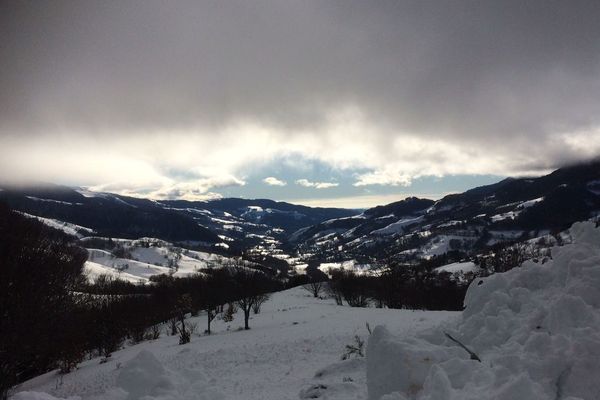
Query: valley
[291, 239]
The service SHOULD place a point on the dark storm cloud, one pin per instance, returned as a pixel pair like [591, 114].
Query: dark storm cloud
[492, 75]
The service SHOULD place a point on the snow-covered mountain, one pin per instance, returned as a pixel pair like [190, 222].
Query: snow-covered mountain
[238, 224]
[459, 226]
[466, 223]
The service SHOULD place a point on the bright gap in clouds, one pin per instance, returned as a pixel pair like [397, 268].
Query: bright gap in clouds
[362, 202]
[349, 156]
[344, 161]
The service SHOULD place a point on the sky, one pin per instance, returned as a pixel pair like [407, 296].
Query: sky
[338, 103]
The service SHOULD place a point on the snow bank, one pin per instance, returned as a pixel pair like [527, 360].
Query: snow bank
[145, 377]
[535, 328]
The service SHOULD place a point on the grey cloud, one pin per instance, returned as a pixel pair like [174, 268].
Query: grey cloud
[494, 75]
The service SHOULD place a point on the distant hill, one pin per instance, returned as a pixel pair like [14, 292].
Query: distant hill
[232, 222]
[510, 210]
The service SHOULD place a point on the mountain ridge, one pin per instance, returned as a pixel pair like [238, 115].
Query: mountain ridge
[508, 210]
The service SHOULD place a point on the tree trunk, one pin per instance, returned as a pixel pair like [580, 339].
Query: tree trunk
[246, 318]
[208, 318]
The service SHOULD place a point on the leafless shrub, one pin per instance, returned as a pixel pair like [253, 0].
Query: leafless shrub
[356, 348]
[315, 288]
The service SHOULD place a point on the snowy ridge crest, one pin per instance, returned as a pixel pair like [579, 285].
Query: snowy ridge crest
[535, 328]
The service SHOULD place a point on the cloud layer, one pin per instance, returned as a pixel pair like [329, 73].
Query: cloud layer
[272, 181]
[316, 185]
[180, 100]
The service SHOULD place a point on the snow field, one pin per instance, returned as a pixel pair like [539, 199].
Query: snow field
[293, 350]
[145, 262]
[458, 267]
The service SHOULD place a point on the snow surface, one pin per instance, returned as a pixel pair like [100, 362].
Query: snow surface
[350, 265]
[53, 201]
[517, 211]
[92, 270]
[398, 226]
[67, 227]
[530, 203]
[535, 328]
[441, 244]
[145, 262]
[458, 267]
[506, 215]
[452, 223]
[292, 350]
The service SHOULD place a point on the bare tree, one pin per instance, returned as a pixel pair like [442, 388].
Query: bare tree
[260, 300]
[315, 288]
[229, 313]
[251, 286]
[333, 290]
[513, 256]
[173, 325]
[211, 313]
[39, 270]
[184, 334]
[215, 290]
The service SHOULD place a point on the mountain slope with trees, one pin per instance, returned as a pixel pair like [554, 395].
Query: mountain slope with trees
[515, 209]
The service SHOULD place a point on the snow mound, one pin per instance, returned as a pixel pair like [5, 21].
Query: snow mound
[144, 377]
[535, 328]
[341, 380]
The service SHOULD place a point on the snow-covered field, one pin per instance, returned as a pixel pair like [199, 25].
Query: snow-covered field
[143, 262]
[294, 337]
[458, 267]
[350, 265]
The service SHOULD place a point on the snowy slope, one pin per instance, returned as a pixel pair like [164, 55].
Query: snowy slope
[141, 262]
[474, 221]
[458, 267]
[70, 229]
[294, 337]
[536, 330]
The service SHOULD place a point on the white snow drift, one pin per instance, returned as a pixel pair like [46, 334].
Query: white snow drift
[535, 328]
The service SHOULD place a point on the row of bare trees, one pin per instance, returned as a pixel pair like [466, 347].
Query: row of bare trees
[396, 286]
[39, 268]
